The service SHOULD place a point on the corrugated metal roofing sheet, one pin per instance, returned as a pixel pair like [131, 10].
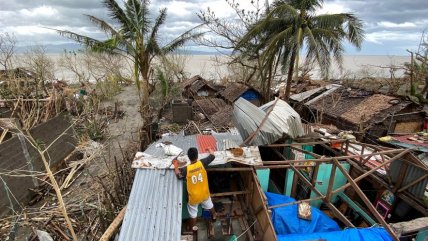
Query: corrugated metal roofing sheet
[184, 142]
[305, 95]
[283, 120]
[330, 89]
[206, 142]
[154, 207]
[412, 173]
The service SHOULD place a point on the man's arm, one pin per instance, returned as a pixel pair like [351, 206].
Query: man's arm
[180, 173]
[207, 160]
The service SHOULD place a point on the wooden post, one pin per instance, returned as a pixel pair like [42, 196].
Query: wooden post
[336, 212]
[315, 174]
[331, 181]
[372, 170]
[366, 201]
[347, 147]
[362, 152]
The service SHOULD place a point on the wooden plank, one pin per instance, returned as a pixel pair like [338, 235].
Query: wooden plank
[296, 202]
[337, 213]
[230, 169]
[411, 226]
[331, 182]
[413, 183]
[372, 170]
[315, 175]
[282, 166]
[366, 201]
[263, 219]
[329, 159]
[224, 194]
[305, 143]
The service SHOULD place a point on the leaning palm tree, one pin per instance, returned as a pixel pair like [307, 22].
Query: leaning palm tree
[294, 24]
[136, 37]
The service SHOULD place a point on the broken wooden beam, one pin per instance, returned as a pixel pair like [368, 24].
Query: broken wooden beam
[223, 194]
[366, 201]
[114, 225]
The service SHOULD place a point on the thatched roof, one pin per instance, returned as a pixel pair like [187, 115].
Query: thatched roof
[195, 83]
[357, 106]
[209, 106]
[223, 117]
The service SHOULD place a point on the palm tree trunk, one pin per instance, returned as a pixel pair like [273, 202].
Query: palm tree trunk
[296, 68]
[290, 75]
[144, 69]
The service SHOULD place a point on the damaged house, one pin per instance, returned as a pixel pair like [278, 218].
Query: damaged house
[369, 114]
[236, 90]
[276, 179]
[197, 87]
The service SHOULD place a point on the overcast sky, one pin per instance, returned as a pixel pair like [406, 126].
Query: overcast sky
[392, 26]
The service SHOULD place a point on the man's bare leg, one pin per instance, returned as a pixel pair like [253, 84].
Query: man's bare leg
[213, 214]
[191, 223]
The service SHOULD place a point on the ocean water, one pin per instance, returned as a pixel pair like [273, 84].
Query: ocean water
[214, 67]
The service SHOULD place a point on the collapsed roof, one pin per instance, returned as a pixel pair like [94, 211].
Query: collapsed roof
[268, 123]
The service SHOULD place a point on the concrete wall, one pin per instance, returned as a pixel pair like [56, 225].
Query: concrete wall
[17, 153]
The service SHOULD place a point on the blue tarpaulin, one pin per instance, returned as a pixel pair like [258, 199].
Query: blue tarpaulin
[289, 227]
[250, 95]
[286, 221]
[350, 234]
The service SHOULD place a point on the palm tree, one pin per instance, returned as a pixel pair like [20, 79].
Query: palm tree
[292, 25]
[136, 37]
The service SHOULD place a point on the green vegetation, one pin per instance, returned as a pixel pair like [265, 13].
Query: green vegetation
[136, 38]
[292, 25]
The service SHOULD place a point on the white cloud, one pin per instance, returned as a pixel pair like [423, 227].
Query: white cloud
[383, 36]
[179, 8]
[28, 30]
[43, 11]
[387, 24]
[332, 8]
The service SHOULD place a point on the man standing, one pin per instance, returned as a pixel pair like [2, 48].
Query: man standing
[197, 184]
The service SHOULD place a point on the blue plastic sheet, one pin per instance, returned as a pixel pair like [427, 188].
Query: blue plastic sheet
[250, 95]
[286, 221]
[350, 234]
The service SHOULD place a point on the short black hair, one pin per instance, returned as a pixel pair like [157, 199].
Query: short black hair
[192, 153]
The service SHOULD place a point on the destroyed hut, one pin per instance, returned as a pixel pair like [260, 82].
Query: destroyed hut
[371, 115]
